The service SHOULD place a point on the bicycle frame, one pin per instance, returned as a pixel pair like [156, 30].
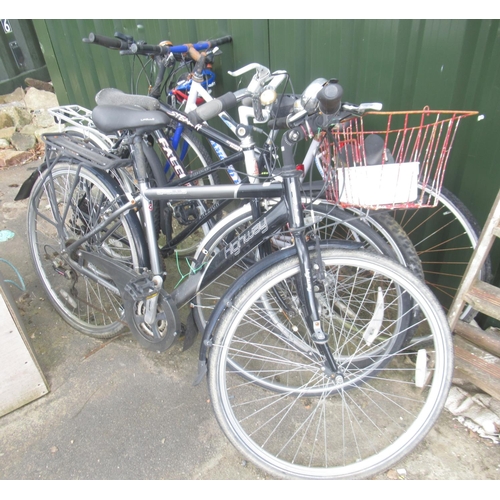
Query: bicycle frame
[244, 148]
[260, 230]
[181, 189]
[197, 90]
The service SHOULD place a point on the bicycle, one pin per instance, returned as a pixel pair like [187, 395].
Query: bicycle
[390, 231]
[189, 226]
[262, 77]
[429, 199]
[287, 307]
[68, 150]
[336, 225]
[444, 247]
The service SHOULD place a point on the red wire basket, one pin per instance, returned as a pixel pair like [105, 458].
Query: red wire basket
[386, 159]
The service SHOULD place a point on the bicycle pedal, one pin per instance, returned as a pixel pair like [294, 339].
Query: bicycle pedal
[186, 213]
[141, 287]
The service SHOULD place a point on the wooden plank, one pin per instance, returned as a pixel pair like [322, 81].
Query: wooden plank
[480, 254]
[21, 380]
[485, 339]
[484, 298]
[481, 371]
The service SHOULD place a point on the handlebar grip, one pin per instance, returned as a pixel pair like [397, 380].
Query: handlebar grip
[220, 41]
[278, 123]
[146, 49]
[330, 98]
[106, 41]
[212, 108]
[181, 49]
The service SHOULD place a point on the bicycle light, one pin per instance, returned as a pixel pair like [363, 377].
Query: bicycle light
[308, 99]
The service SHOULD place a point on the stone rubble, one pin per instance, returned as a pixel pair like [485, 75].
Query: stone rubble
[23, 120]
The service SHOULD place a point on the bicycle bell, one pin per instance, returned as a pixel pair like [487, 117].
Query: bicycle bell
[268, 97]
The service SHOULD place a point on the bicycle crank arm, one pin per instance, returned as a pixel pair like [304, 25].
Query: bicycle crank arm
[150, 312]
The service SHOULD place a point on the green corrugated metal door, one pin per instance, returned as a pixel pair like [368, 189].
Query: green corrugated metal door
[405, 64]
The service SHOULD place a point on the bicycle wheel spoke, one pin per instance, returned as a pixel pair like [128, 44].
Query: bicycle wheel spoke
[71, 201]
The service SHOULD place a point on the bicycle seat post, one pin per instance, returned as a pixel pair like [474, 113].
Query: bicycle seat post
[147, 204]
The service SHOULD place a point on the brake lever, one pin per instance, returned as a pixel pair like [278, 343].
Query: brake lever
[125, 38]
[247, 68]
[297, 117]
[215, 51]
[362, 108]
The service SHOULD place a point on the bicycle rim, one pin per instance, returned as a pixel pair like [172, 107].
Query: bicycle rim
[308, 425]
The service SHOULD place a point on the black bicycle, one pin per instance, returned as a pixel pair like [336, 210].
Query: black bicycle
[313, 370]
[439, 240]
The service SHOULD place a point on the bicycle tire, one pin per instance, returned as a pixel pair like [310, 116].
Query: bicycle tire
[351, 428]
[336, 224]
[86, 305]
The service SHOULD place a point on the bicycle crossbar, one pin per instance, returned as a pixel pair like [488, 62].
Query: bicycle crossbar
[219, 192]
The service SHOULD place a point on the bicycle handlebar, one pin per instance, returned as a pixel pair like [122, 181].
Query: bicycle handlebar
[220, 41]
[212, 108]
[153, 50]
[147, 49]
[106, 41]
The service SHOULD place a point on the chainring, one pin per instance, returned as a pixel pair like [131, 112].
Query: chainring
[166, 327]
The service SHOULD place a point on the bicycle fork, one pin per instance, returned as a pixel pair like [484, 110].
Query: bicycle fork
[291, 180]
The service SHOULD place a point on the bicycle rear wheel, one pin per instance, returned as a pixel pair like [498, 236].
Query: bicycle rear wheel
[65, 204]
[279, 406]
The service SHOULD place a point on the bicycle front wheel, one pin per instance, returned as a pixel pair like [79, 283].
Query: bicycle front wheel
[179, 215]
[274, 397]
[65, 204]
[444, 237]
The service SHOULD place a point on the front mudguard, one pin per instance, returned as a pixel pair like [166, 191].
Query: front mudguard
[243, 280]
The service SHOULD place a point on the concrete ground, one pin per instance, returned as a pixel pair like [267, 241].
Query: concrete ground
[117, 411]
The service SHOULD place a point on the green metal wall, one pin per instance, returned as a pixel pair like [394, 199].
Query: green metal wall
[405, 64]
[79, 70]
[20, 55]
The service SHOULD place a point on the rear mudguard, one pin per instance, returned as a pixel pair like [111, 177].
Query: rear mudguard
[27, 186]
